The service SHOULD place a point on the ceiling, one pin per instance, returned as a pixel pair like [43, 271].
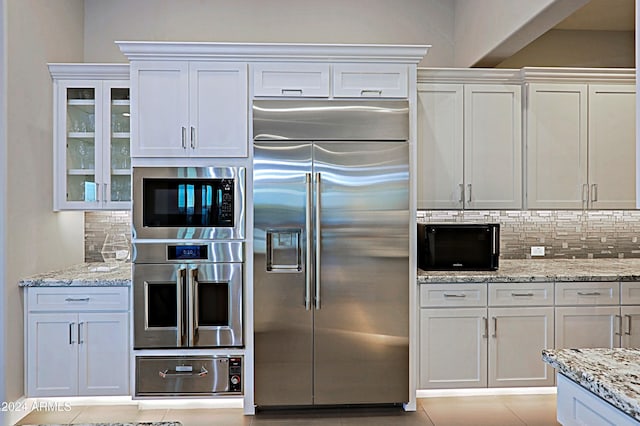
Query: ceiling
[602, 15]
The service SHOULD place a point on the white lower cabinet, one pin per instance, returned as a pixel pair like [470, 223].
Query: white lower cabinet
[453, 348]
[76, 349]
[517, 338]
[587, 327]
[497, 346]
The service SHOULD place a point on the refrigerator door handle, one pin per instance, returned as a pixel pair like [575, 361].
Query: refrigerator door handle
[308, 277]
[317, 232]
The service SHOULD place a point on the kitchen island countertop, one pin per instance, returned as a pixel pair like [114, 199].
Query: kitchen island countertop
[81, 275]
[611, 374]
[542, 270]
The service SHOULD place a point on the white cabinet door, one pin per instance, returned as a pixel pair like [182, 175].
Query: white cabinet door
[612, 146]
[517, 338]
[453, 348]
[630, 326]
[493, 146]
[160, 104]
[557, 146]
[440, 146]
[103, 354]
[52, 355]
[218, 109]
[367, 81]
[116, 145]
[587, 327]
[290, 79]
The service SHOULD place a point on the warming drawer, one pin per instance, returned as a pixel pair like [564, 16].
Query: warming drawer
[188, 375]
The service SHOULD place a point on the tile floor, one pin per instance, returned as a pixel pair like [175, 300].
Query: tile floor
[512, 410]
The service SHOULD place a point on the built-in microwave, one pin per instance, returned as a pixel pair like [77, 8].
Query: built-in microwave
[455, 246]
[188, 203]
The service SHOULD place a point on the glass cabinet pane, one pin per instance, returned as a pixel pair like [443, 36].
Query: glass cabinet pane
[120, 154]
[80, 144]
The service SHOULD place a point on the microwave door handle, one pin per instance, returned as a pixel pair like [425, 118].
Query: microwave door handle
[192, 301]
[308, 277]
[494, 235]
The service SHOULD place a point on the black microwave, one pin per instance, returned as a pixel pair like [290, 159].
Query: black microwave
[458, 247]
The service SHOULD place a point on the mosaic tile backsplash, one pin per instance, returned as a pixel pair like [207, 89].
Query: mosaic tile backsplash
[565, 234]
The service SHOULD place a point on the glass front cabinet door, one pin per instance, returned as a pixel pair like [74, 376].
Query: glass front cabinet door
[92, 161]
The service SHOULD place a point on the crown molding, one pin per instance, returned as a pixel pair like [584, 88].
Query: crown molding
[578, 75]
[297, 52]
[469, 75]
[68, 71]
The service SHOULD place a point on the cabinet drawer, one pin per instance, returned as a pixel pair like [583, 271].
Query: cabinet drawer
[520, 294]
[78, 299]
[291, 80]
[362, 80]
[444, 295]
[630, 293]
[588, 293]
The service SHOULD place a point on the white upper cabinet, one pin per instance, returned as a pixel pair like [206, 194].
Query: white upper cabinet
[469, 145]
[367, 80]
[189, 109]
[612, 146]
[92, 162]
[580, 139]
[557, 146]
[290, 79]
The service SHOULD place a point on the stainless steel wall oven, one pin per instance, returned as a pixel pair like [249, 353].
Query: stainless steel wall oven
[188, 295]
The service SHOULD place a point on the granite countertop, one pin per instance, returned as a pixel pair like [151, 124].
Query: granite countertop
[82, 275]
[542, 270]
[611, 374]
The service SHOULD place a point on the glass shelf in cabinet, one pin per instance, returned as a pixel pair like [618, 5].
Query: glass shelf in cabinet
[81, 135]
[80, 102]
[81, 172]
[120, 172]
[121, 135]
[121, 102]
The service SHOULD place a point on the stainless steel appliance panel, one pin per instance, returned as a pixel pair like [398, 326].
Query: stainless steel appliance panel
[331, 309]
[361, 340]
[193, 231]
[187, 376]
[316, 120]
[282, 311]
[187, 305]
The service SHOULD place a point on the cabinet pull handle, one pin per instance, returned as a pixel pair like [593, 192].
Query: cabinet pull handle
[486, 327]
[521, 294]
[104, 192]
[290, 92]
[71, 324]
[80, 329]
[585, 195]
[619, 332]
[193, 137]
[455, 295]
[461, 200]
[469, 192]
[371, 92]
[184, 137]
[589, 293]
[72, 299]
[594, 192]
[628, 332]
[495, 327]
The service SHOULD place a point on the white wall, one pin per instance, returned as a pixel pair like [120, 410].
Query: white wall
[325, 21]
[488, 31]
[564, 48]
[35, 238]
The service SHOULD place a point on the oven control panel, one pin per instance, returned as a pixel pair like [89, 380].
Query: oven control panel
[235, 374]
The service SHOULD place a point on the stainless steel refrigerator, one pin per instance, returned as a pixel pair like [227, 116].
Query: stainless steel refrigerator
[331, 252]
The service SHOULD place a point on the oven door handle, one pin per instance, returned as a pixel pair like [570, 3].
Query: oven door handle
[179, 305]
[192, 302]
